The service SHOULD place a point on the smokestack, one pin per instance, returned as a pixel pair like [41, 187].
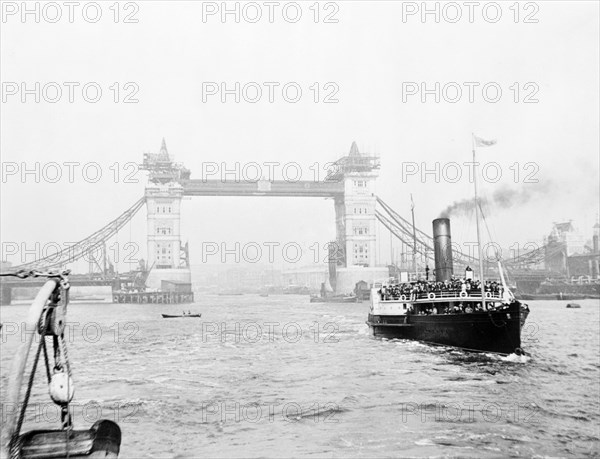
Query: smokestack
[595, 237]
[442, 245]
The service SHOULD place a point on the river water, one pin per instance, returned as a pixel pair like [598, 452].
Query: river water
[281, 377]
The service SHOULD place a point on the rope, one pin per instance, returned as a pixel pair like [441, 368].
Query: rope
[15, 453]
[65, 354]
[46, 360]
[61, 360]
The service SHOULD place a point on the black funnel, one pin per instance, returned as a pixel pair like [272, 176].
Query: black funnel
[442, 246]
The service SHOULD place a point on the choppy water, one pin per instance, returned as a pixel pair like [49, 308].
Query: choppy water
[181, 388]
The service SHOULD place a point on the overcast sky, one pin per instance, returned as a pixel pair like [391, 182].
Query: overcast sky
[370, 56]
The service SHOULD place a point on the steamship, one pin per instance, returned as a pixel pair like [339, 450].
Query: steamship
[474, 320]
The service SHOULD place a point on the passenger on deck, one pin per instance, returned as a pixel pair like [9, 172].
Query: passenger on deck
[453, 287]
[469, 273]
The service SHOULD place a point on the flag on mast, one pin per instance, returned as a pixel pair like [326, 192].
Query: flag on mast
[479, 142]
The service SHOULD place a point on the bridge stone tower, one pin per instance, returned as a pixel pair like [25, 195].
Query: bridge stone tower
[359, 210]
[167, 259]
[356, 220]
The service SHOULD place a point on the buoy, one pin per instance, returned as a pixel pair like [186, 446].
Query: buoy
[488, 294]
[463, 294]
[403, 297]
[431, 296]
[61, 388]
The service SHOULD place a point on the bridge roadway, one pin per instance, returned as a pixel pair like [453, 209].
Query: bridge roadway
[277, 188]
[7, 284]
[76, 280]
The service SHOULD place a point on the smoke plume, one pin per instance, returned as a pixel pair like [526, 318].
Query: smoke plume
[503, 198]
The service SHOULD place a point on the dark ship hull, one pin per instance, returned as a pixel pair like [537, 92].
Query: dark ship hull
[497, 331]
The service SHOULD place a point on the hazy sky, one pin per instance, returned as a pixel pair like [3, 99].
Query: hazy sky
[370, 55]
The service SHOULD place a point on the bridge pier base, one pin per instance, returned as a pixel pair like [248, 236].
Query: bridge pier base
[176, 276]
[5, 295]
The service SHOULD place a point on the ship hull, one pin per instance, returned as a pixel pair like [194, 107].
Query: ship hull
[494, 331]
[334, 299]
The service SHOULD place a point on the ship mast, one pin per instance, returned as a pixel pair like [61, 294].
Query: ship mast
[481, 282]
[414, 254]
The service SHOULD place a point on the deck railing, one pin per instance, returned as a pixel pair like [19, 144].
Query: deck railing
[445, 295]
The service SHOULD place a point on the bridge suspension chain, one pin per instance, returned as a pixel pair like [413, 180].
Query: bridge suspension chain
[401, 225]
[426, 242]
[81, 248]
[404, 236]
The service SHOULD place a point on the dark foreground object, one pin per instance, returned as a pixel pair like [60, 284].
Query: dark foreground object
[103, 439]
[573, 306]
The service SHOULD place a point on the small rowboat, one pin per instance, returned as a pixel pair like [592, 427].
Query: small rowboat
[573, 306]
[173, 316]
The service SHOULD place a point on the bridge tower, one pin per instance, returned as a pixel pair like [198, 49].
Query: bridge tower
[167, 258]
[356, 220]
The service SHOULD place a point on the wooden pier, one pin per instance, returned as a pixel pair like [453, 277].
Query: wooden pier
[153, 297]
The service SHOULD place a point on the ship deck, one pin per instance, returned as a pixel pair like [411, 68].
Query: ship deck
[443, 297]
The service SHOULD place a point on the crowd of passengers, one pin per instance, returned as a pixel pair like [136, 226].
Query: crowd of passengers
[466, 286]
[456, 309]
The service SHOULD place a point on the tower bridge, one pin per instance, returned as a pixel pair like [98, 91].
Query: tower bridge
[350, 186]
